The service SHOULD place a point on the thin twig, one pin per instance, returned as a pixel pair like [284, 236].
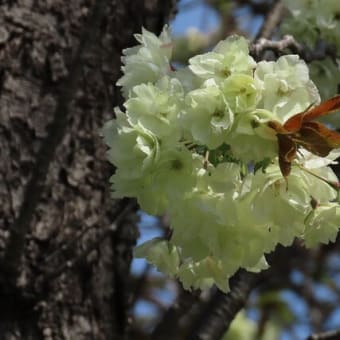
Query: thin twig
[271, 21]
[288, 44]
[45, 155]
[262, 45]
[330, 335]
[256, 7]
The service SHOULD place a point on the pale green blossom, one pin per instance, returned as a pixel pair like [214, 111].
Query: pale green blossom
[251, 139]
[286, 87]
[175, 163]
[146, 62]
[272, 204]
[187, 78]
[203, 274]
[241, 92]
[195, 144]
[132, 147]
[228, 57]
[160, 253]
[322, 224]
[208, 116]
[157, 107]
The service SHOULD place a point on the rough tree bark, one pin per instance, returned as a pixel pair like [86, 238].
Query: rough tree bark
[65, 247]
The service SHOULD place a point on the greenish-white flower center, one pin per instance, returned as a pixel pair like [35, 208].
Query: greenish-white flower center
[176, 164]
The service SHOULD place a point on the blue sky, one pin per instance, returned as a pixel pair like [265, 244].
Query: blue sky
[197, 15]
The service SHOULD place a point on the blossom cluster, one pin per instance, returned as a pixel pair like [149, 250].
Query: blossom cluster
[194, 143]
[313, 22]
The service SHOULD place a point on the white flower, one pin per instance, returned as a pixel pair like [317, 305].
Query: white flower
[207, 116]
[322, 225]
[146, 62]
[286, 87]
[251, 140]
[132, 147]
[228, 57]
[156, 107]
[195, 144]
[160, 253]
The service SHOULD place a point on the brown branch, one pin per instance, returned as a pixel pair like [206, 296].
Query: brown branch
[45, 155]
[271, 21]
[168, 327]
[287, 45]
[216, 317]
[330, 335]
[262, 45]
[256, 7]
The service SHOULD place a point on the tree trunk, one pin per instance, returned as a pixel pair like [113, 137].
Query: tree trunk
[65, 246]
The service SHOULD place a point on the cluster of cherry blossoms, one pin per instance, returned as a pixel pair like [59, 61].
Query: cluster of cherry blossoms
[194, 143]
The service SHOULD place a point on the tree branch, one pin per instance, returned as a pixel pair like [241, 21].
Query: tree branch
[271, 21]
[221, 310]
[168, 327]
[330, 335]
[288, 44]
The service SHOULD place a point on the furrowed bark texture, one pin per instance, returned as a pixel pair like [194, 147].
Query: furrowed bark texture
[65, 246]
